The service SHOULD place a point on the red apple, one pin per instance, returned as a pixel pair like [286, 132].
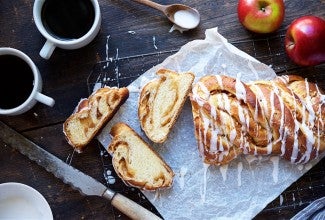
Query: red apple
[305, 41]
[261, 16]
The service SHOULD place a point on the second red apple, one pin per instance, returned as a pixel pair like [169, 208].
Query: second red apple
[261, 16]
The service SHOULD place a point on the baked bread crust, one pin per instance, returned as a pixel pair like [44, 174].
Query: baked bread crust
[284, 116]
[91, 114]
[135, 162]
[161, 102]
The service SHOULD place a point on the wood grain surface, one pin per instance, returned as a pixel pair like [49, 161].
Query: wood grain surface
[128, 29]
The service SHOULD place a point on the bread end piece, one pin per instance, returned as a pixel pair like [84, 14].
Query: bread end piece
[135, 162]
[92, 114]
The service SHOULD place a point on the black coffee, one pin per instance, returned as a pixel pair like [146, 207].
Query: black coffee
[16, 82]
[68, 19]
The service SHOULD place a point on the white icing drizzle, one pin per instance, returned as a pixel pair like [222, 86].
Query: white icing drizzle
[281, 128]
[281, 200]
[213, 141]
[213, 112]
[204, 187]
[240, 89]
[308, 166]
[309, 106]
[310, 140]
[269, 147]
[256, 109]
[233, 134]
[182, 174]
[205, 90]
[219, 80]
[221, 148]
[154, 42]
[70, 157]
[284, 79]
[275, 173]
[157, 195]
[300, 167]
[320, 119]
[240, 169]
[106, 50]
[262, 100]
[223, 171]
[283, 141]
[295, 149]
[247, 118]
[272, 107]
[221, 155]
[110, 179]
[226, 103]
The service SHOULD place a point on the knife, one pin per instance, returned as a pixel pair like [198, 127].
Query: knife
[78, 180]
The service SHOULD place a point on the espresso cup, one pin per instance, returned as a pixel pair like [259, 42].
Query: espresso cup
[21, 83]
[67, 24]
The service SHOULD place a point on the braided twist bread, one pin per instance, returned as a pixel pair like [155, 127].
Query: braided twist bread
[284, 116]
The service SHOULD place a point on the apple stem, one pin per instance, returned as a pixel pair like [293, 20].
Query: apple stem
[291, 45]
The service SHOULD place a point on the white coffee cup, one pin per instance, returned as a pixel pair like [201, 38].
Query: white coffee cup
[17, 83]
[53, 40]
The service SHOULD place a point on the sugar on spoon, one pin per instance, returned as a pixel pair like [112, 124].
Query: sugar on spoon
[181, 15]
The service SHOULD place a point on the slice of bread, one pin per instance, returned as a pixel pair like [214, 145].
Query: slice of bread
[91, 114]
[135, 162]
[161, 101]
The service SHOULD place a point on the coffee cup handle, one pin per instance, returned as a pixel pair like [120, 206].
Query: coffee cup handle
[44, 99]
[47, 49]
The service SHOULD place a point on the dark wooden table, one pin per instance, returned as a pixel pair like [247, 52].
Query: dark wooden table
[65, 77]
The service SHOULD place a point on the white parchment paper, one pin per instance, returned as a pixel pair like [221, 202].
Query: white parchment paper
[238, 190]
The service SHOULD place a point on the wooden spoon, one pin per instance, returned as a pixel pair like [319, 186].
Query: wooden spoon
[181, 15]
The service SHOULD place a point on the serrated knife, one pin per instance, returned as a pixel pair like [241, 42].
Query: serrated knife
[70, 175]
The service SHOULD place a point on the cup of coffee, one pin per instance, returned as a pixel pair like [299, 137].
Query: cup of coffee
[67, 24]
[21, 85]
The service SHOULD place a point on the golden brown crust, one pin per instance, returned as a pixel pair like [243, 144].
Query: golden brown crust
[284, 116]
[135, 162]
[91, 114]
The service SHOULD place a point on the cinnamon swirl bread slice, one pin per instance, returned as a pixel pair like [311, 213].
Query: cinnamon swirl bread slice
[135, 162]
[91, 114]
[161, 102]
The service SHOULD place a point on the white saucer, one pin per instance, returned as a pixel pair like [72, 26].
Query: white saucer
[19, 201]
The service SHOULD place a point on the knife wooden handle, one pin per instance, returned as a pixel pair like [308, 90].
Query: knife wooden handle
[131, 208]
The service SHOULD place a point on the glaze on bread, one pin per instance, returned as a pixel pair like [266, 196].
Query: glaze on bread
[135, 162]
[161, 101]
[91, 114]
[284, 116]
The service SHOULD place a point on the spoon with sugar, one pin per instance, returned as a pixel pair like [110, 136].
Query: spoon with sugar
[181, 15]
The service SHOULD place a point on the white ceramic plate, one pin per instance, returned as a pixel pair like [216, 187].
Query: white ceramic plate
[19, 201]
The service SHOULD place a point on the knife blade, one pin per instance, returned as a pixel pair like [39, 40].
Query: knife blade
[76, 179]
